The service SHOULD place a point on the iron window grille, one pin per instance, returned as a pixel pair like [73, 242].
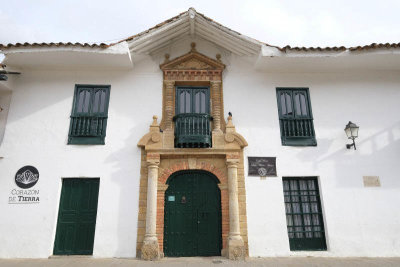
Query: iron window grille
[304, 214]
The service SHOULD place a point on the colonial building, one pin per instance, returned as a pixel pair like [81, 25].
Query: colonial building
[190, 139]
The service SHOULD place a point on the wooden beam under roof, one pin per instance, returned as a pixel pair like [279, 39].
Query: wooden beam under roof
[158, 49]
[192, 15]
[223, 41]
[145, 47]
[246, 45]
[193, 24]
[217, 41]
[157, 31]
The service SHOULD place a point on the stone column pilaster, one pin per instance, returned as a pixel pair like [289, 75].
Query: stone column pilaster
[216, 104]
[150, 249]
[169, 104]
[236, 250]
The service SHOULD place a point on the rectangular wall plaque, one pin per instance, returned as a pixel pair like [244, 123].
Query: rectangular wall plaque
[262, 166]
[371, 181]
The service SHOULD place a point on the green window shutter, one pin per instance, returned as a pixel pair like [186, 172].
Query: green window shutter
[303, 213]
[192, 100]
[89, 115]
[295, 117]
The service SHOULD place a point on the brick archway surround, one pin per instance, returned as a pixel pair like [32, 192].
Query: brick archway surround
[181, 166]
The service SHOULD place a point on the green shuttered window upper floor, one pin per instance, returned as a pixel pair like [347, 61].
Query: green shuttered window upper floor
[295, 117]
[192, 119]
[89, 115]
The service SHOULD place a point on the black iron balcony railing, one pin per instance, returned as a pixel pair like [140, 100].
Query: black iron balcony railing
[192, 130]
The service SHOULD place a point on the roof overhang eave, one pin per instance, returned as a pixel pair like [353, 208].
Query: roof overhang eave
[117, 56]
[193, 24]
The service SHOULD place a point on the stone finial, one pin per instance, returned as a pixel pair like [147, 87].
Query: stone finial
[153, 139]
[193, 45]
[155, 123]
[218, 56]
[155, 127]
[231, 135]
[230, 123]
[166, 58]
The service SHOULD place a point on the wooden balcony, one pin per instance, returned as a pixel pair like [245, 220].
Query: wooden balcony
[87, 130]
[298, 132]
[192, 130]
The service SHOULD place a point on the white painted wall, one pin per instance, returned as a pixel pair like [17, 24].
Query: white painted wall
[359, 221]
[5, 99]
[36, 134]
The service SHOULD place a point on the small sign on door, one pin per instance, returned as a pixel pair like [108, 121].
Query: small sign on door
[171, 198]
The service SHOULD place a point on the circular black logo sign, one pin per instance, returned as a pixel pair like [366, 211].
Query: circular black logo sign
[26, 177]
[262, 171]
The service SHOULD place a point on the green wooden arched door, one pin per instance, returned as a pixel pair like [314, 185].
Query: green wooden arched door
[192, 215]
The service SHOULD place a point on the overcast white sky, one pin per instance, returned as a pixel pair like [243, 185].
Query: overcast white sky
[295, 23]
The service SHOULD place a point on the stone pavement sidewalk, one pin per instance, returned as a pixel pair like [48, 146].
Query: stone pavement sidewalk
[199, 261]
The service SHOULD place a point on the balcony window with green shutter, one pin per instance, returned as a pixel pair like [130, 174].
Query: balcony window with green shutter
[89, 115]
[295, 117]
[192, 119]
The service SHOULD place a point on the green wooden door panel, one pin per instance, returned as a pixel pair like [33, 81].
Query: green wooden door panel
[192, 219]
[77, 217]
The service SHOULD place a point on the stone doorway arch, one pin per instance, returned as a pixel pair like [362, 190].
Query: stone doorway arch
[160, 159]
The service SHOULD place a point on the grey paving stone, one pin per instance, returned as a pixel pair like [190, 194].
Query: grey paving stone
[203, 262]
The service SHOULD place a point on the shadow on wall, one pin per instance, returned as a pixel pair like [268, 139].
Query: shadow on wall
[372, 157]
[5, 99]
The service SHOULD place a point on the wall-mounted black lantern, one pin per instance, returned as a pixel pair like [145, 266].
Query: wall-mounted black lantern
[352, 133]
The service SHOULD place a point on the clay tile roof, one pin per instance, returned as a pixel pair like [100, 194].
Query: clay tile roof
[375, 46]
[283, 49]
[59, 44]
[341, 48]
[314, 49]
[152, 28]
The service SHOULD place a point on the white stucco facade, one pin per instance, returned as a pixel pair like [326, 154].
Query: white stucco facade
[359, 221]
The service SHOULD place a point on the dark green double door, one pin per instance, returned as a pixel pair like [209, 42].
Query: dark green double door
[192, 215]
[77, 217]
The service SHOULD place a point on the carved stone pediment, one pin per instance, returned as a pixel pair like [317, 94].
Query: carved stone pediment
[193, 64]
[192, 61]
